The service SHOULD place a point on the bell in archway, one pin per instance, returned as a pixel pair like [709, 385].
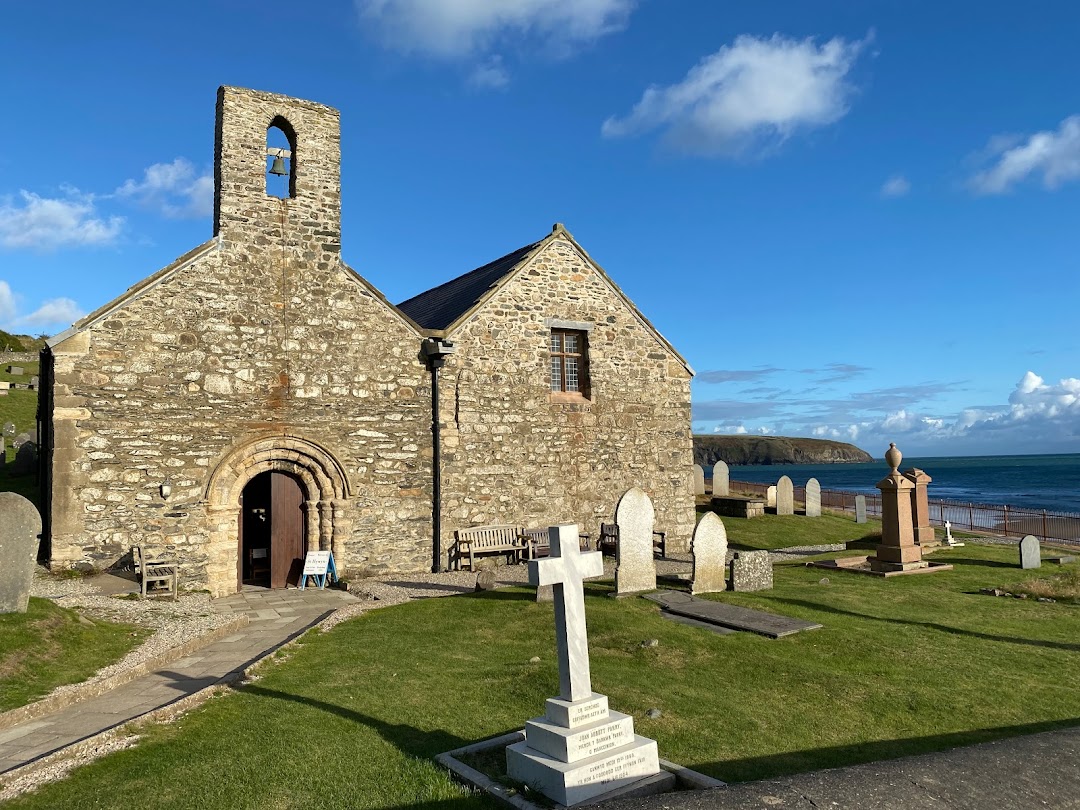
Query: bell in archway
[278, 167]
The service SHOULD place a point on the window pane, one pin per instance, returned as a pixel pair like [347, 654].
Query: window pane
[571, 343]
[555, 342]
[556, 376]
[571, 374]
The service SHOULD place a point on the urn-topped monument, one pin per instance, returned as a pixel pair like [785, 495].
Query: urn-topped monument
[898, 550]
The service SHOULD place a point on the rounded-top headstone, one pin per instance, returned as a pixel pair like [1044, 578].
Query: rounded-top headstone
[20, 532]
[699, 480]
[785, 496]
[721, 478]
[709, 549]
[813, 498]
[634, 566]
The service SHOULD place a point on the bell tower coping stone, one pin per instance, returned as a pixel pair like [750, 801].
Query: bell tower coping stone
[242, 208]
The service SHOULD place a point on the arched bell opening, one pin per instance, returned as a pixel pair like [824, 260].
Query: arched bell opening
[280, 159]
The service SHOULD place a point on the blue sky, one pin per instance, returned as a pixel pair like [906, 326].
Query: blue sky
[855, 219]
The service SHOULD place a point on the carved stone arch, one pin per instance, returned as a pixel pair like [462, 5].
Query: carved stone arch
[323, 481]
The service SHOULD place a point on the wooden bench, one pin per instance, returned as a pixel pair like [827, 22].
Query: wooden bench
[151, 568]
[539, 543]
[608, 541]
[487, 540]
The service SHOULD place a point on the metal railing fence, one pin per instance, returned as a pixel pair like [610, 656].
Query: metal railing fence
[1000, 519]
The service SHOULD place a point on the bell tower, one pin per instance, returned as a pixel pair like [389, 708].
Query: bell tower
[294, 188]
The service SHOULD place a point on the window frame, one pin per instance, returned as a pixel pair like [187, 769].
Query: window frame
[582, 355]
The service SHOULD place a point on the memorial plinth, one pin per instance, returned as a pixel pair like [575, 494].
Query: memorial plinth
[898, 550]
[579, 749]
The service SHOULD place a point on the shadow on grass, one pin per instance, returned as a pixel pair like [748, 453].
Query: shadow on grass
[984, 563]
[944, 628]
[407, 739]
[793, 762]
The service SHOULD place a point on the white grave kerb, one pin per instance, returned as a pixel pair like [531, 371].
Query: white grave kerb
[566, 568]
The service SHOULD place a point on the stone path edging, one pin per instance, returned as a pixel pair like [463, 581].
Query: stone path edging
[53, 703]
[90, 748]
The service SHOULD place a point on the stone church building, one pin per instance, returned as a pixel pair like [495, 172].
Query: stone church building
[257, 398]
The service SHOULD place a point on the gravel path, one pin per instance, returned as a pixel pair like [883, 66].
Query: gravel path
[173, 623]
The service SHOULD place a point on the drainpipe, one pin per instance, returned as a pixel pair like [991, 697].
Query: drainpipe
[434, 352]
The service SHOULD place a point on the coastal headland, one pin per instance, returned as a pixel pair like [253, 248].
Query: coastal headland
[744, 450]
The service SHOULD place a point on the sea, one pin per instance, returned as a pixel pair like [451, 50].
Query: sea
[1033, 482]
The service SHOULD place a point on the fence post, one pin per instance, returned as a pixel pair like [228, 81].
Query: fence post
[1046, 531]
[1006, 511]
[971, 515]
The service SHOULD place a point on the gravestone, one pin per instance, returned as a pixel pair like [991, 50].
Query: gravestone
[950, 541]
[9, 428]
[20, 440]
[1030, 554]
[770, 496]
[813, 498]
[635, 569]
[26, 459]
[545, 593]
[785, 496]
[709, 550]
[751, 571]
[20, 529]
[721, 479]
[580, 748]
[16, 371]
[5, 386]
[699, 480]
[898, 550]
[920, 507]
[34, 383]
[860, 509]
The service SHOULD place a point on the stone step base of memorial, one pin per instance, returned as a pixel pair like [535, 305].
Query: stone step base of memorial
[573, 744]
[865, 565]
[570, 783]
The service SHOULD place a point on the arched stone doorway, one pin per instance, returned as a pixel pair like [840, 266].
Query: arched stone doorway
[323, 488]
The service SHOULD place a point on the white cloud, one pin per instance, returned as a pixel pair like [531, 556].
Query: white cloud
[45, 223]
[491, 75]
[52, 315]
[752, 93]
[896, 186]
[1054, 156]
[55, 311]
[459, 28]
[174, 189]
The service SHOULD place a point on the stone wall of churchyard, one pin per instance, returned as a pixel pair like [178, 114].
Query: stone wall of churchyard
[262, 333]
[514, 453]
[170, 384]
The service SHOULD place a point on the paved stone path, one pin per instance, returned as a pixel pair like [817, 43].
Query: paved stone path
[737, 618]
[276, 616]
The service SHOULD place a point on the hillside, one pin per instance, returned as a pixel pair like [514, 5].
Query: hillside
[774, 450]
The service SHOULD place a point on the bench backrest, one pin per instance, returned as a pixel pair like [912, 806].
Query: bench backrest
[486, 536]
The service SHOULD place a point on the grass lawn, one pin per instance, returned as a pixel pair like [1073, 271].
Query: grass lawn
[353, 717]
[20, 405]
[48, 646]
[784, 531]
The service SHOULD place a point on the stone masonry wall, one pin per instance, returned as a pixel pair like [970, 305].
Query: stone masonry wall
[264, 333]
[515, 453]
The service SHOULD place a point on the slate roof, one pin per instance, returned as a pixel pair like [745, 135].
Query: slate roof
[440, 306]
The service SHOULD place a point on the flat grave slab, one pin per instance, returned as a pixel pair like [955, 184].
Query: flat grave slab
[737, 618]
[712, 628]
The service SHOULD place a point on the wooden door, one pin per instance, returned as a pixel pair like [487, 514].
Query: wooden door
[287, 541]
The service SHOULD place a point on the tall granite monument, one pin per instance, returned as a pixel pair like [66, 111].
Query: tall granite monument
[579, 749]
[898, 550]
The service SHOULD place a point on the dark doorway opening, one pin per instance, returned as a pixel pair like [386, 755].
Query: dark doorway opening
[271, 531]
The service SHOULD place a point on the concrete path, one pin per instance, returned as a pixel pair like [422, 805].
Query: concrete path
[1019, 773]
[276, 616]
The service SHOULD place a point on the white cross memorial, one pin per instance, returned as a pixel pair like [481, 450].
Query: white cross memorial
[579, 749]
[566, 568]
